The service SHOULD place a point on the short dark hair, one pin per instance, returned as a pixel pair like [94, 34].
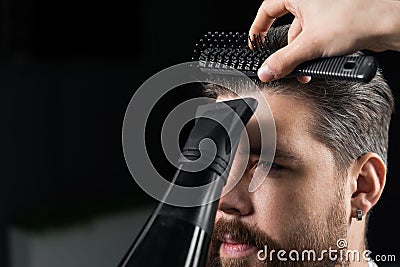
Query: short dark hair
[349, 118]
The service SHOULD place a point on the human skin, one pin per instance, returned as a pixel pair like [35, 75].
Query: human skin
[301, 192]
[323, 28]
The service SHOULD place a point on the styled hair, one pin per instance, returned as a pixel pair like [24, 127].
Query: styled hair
[350, 118]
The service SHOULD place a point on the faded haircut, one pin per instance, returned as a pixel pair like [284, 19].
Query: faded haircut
[350, 118]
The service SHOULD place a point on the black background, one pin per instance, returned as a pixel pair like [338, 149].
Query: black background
[67, 73]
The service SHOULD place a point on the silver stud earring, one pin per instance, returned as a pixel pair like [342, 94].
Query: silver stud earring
[359, 214]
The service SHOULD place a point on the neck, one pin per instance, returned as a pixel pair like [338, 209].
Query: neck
[356, 244]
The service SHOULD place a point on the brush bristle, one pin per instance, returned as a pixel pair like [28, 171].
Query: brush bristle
[233, 50]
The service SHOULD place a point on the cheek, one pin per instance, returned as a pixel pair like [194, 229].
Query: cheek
[280, 208]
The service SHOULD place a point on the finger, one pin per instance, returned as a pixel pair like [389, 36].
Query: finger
[304, 79]
[266, 14]
[283, 61]
[294, 30]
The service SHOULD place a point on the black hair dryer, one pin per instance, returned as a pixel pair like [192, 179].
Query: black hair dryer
[176, 236]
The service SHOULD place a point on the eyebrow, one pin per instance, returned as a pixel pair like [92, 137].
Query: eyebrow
[280, 155]
[287, 156]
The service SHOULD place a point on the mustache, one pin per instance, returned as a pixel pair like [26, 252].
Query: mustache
[243, 233]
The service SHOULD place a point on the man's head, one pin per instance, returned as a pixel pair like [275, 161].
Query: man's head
[330, 160]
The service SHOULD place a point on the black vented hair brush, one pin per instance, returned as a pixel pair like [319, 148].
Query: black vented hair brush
[219, 52]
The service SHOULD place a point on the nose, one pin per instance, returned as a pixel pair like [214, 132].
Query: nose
[236, 202]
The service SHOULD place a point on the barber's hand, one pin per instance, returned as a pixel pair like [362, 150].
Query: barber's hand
[323, 28]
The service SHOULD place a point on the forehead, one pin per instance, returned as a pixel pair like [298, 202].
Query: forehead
[294, 122]
[293, 117]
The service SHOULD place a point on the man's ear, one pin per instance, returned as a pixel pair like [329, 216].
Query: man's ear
[369, 174]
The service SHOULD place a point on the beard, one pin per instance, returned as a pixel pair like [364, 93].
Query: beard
[319, 235]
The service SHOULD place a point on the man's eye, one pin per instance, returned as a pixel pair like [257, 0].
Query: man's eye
[267, 165]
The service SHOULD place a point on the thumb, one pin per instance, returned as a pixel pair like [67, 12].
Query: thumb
[283, 61]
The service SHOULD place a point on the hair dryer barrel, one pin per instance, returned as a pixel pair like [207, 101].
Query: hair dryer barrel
[176, 236]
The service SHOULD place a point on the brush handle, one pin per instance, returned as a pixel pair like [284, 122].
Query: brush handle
[348, 68]
[355, 68]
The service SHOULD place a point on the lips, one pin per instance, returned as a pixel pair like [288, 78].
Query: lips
[231, 248]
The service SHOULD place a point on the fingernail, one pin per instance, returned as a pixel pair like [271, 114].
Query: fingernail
[265, 74]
